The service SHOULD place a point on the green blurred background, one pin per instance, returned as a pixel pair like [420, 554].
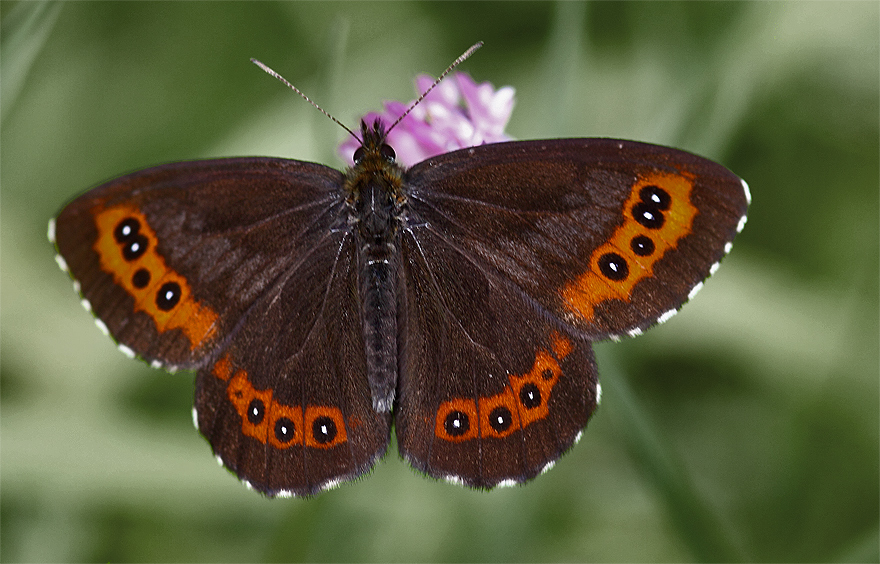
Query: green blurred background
[746, 428]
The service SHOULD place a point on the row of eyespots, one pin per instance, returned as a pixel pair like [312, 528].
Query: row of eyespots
[323, 427]
[457, 424]
[134, 244]
[656, 216]
[279, 425]
[648, 212]
[522, 402]
[127, 247]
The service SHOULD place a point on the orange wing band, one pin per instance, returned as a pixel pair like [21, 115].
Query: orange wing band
[637, 245]
[274, 423]
[525, 400]
[145, 276]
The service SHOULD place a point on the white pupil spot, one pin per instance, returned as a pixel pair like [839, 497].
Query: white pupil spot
[324, 429]
[126, 230]
[169, 294]
[284, 429]
[135, 247]
[456, 423]
[648, 215]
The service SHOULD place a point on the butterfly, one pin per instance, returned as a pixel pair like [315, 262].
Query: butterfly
[455, 301]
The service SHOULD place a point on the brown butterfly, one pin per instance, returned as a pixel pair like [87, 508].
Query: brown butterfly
[456, 299]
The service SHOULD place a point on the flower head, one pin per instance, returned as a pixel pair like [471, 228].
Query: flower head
[458, 113]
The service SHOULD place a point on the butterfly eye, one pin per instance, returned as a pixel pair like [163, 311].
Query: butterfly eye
[387, 152]
[358, 154]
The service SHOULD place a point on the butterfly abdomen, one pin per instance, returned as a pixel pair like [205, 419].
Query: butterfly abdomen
[378, 293]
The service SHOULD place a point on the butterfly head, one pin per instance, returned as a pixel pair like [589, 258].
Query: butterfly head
[373, 153]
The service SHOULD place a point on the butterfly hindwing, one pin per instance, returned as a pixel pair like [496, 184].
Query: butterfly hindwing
[491, 390]
[288, 407]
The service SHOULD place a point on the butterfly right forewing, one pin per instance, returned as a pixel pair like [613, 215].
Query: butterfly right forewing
[606, 235]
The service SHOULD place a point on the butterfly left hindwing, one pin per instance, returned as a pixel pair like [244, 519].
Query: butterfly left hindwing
[287, 407]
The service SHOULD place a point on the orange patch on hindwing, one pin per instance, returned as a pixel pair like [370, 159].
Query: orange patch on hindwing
[523, 401]
[126, 246]
[657, 215]
[274, 423]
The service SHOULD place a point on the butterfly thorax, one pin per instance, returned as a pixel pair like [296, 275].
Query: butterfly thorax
[374, 187]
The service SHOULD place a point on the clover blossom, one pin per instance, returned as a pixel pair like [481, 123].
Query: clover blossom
[458, 113]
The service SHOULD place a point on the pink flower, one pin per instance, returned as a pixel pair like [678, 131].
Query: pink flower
[458, 113]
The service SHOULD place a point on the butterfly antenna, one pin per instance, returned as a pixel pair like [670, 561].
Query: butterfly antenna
[307, 99]
[454, 64]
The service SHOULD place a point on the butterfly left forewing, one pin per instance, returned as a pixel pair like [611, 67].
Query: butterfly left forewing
[169, 258]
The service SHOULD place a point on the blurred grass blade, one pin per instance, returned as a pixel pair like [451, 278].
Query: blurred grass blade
[333, 81]
[24, 32]
[562, 60]
[700, 527]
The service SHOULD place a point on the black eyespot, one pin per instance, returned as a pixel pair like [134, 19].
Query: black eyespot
[126, 229]
[256, 411]
[284, 430]
[530, 396]
[358, 155]
[657, 196]
[168, 296]
[613, 266]
[500, 419]
[387, 152]
[141, 278]
[456, 424]
[324, 430]
[642, 246]
[135, 247]
[648, 214]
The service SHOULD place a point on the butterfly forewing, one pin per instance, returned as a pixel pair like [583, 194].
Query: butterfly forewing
[606, 235]
[171, 258]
